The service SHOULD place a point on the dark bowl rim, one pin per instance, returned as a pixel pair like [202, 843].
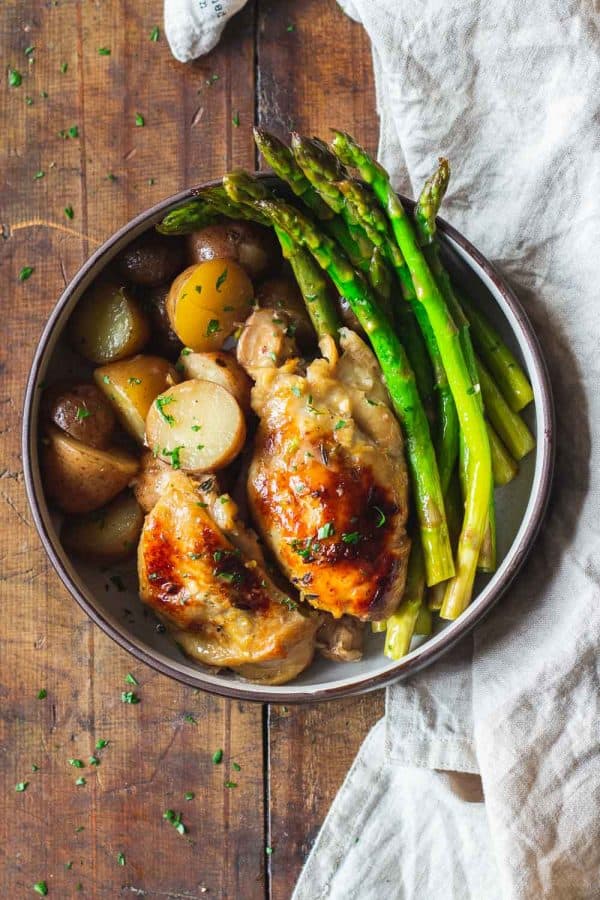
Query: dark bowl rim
[408, 665]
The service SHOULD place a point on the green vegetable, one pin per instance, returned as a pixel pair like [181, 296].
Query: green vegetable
[25, 273]
[42, 694]
[15, 79]
[155, 34]
[217, 756]
[103, 51]
[40, 887]
[130, 679]
[21, 786]
[129, 697]
[401, 625]
[139, 120]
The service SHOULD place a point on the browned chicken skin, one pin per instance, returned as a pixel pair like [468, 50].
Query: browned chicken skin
[327, 485]
[203, 574]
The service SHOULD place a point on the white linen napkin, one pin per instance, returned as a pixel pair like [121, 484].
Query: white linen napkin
[510, 92]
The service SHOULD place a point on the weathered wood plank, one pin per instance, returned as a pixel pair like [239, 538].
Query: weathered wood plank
[314, 73]
[154, 755]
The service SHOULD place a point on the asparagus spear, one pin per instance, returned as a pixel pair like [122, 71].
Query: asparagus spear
[190, 217]
[468, 407]
[508, 424]
[400, 627]
[244, 192]
[281, 159]
[509, 375]
[399, 379]
[504, 467]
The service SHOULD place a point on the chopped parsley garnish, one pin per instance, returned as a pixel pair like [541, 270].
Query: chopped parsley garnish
[291, 604]
[130, 679]
[381, 520]
[29, 101]
[217, 757]
[93, 761]
[77, 763]
[39, 175]
[63, 67]
[80, 782]
[325, 531]
[339, 424]
[111, 177]
[106, 379]
[160, 404]
[291, 27]
[42, 694]
[175, 820]
[212, 79]
[221, 279]
[189, 718]
[155, 34]
[352, 537]
[139, 120]
[40, 887]
[189, 795]
[82, 413]
[25, 273]
[175, 456]
[213, 327]
[199, 446]
[121, 859]
[103, 51]
[15, 79]
[73, 131]
[69, 865]
[69, 213]
[186, 351]
[296, 391]
[236, 119]
[231, 784]
[196, 555]
[34, 768]
[21, 786]
[101, 744]
[272, 356]
[134, 380]
[196, 427]
[129, 697]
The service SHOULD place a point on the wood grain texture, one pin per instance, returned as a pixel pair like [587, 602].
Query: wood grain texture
[154, 754]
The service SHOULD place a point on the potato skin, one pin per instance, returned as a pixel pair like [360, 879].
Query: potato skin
[131, 385]
[252, 246]
[163, 339]
[108, 324]
[207, 301]
[107, 535]
[83, 412]
[152, 480]
[281, 293]
[222, 368]
[151, 259]
[78, 478]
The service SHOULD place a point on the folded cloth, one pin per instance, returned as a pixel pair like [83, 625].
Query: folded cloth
[510, 92]
[193, 27]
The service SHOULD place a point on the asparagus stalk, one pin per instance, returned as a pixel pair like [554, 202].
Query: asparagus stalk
[190, 217]
[400, 627]
[399, 379]
[468, 407]
[509, 425]
[504, 467]
[509, 375]
[244, 192]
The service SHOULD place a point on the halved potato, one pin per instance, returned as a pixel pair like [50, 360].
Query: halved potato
[221, 368]
[196, 426]
[78, 478]
[132, 384]
[107, 535]
[207, 301]
[108, 324]
[82, 411]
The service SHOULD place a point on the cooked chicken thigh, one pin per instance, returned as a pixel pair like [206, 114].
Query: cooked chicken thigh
[203, 574]
[327, 485]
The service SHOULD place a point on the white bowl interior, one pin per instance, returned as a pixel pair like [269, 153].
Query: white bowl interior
[112, 592]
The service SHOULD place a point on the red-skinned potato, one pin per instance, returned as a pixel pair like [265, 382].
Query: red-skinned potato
[80, 479]
[83, 412]
[151, 259]
[252, 246]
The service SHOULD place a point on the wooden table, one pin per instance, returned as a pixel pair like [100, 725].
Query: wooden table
[281, 64]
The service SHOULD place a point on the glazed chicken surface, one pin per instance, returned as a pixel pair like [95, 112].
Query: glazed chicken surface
[203, 574]
[327, 485]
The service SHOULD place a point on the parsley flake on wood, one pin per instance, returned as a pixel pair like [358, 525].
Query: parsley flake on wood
[42, 694]
[101, 744]
[231, 784]
[21, 786]
[69, 212]
[129, 697]
[77, 763]
[139, 120]
[40, 887]
[93, 761]
[189, 795]
[103, 51]
[236, 119]
[39, 175]
[189, 718]
[64, 67]
[25, 273]
[155, 34]
[130, 679]
[15, 79]
[217, 757]
[121, 859]
[175, 820]
[236, 767]
[80, 782]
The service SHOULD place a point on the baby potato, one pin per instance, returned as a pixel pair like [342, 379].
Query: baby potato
[221, 368]
[283, 294]
[207, 301]
[82, 411]
[196, 426]
[107, 535]
[78, 478]
[153, 479]
[163, 339]
[131, 385]
[252, 246]
[108, 324]
[151, 259]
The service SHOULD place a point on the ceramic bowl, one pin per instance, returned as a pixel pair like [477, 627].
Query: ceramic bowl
[113, 603]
